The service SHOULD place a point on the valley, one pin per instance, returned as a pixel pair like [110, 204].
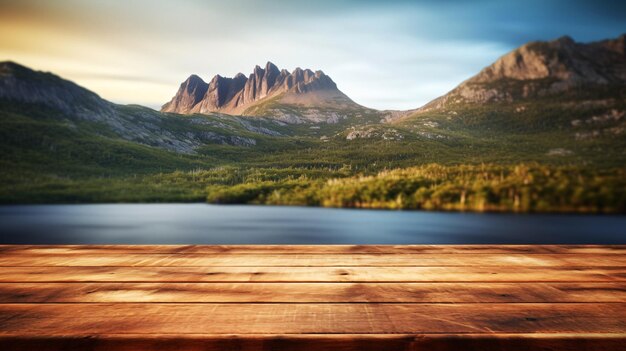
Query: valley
[540, 130]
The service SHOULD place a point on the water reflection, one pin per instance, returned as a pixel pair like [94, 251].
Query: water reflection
[211, 224]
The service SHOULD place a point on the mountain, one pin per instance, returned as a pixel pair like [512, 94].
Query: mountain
[44, 97]
[302, 95]
[559, 99]
[544, 69]
[558, 105]
[21, 84]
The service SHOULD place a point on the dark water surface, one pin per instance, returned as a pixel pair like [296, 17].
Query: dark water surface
[214, 224]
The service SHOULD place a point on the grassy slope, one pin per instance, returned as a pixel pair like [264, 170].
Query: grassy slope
[51, 158]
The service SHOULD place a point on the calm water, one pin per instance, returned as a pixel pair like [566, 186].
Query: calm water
[212, 224]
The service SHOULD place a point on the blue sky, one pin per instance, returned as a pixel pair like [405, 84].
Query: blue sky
[384, 54]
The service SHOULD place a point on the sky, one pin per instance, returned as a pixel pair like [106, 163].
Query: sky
[394, 54]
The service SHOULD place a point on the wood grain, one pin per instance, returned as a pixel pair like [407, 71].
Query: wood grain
[308, 260]
[306, 274]
[351, 318]
[313, 292]
[350, 297]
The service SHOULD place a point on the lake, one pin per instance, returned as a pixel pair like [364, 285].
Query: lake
[215, 224]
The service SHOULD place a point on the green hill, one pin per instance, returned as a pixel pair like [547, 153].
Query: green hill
[505, 140]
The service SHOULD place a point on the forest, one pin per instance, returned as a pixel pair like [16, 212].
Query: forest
[486, 187]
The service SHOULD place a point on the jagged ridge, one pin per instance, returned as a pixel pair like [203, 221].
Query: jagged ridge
[236, 95]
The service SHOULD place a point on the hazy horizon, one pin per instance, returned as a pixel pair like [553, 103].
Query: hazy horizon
[392, 55]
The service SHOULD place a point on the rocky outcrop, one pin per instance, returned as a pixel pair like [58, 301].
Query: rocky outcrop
[237, 95]
[541, 69]
[562, 59]
[189, 94]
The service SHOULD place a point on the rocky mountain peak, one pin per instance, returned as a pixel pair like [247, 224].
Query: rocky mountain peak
[194, 79]
[270, 67]
[190, 92]
[544, 68]
[562, 59]
[215, 79]
[234, 95]
[194, 82]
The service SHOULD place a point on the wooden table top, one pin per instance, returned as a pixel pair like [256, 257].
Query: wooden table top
[280, 297]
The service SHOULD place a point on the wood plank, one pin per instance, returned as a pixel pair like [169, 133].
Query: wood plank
[317, 342]
[313, 292]
[306, 260]
[94, 319]
[319, 274]
[549, 297]
[316, 249]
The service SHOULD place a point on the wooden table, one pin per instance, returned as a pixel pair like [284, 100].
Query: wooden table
[312, 298]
